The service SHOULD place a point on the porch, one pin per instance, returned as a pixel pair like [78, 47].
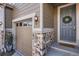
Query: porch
[60, 46]
[52, 45]
[48, 32]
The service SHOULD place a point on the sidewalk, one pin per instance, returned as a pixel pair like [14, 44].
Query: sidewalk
[16, 54]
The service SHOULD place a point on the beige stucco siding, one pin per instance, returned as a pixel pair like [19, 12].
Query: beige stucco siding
[8, 17]
[55, 22]
[48, 16]
[23, 9]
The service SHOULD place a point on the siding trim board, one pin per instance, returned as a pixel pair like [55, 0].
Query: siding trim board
[25, 9]
[77, 24]
[23, 18]
[41, 16]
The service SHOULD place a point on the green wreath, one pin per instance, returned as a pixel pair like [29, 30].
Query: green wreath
[67, 19]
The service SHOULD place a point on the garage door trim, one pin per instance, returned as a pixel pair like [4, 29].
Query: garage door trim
[32, 15]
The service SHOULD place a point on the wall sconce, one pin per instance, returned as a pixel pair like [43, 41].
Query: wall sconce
[0, 23]
[36, 19]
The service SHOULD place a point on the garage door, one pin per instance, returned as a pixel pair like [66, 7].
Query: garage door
[24, 37]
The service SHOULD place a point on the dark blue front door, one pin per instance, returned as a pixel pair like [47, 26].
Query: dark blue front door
[68, 23]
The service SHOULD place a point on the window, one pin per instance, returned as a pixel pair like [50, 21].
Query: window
[16, 24]
[20, 23]
[25, 24]
[29, 24]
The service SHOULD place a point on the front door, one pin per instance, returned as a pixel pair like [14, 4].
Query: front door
[68, 24]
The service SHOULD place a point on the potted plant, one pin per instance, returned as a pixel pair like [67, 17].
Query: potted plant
[9, 41]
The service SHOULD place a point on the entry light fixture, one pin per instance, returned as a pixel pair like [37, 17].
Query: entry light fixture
[0, 23]
[36, 18]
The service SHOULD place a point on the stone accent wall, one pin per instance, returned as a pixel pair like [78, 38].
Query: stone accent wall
[41, 42]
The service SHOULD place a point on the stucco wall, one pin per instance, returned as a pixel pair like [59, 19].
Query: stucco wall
[22, 9]
[8, 17]
[48, 16]
[55, 22]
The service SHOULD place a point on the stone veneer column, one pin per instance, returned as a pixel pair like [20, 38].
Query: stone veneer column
[41, 42]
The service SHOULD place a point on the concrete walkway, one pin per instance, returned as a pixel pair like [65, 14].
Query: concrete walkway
[17, 54]
[62, 50]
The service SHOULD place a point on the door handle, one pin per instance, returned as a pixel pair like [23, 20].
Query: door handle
[74, 28]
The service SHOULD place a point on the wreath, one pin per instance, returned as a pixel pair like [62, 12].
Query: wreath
[67, 19]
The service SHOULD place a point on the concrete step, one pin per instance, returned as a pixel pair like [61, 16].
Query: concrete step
[55, 52]
[73, 49]
[62, 50]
